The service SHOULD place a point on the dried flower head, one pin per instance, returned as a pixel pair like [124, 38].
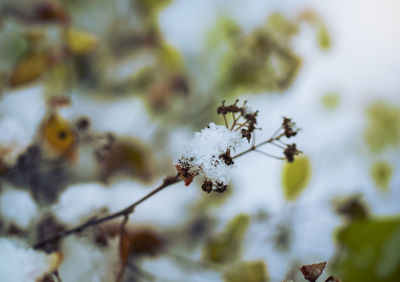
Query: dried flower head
[290, 152]
[289, 127]
[209, 156]
[243, 118]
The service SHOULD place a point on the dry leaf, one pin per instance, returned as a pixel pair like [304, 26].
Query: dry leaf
[28, 69]
[311, 272]
[332, 279]
[57, 137]
[47, 11]
[139, 242]
[124, 246]
[129, 156]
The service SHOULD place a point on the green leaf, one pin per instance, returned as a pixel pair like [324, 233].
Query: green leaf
[282, 27]
[381, 173]
[324, 39]
[383, 129]
[260, 61]
[295, 177]
[331, 100]
[249, 271]
[226, 247]
[370, 250]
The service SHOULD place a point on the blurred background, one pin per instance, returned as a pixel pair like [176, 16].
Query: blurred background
[98, 97]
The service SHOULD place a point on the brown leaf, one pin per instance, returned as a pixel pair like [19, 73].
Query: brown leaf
[124, 246]
[40, 12]
[128, 156]
[59, 101]
[47, 11]
[332, 279]
[139, 242]
[311, 272]
[146, 242]
[28, 70]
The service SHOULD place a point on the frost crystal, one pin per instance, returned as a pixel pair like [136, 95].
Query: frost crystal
[207, 154]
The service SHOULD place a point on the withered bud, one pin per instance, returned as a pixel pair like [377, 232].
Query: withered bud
[234, 108]
[289, 127]
[290, 152]
[221, 188]
[226, 157]
[186, 171]
[246, 134]
[207, 186]
[82, 124]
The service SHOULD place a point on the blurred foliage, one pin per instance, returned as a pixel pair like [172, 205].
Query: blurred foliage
[282, 27]
[323, 38]
[226, 247]
[352, 207]
[295, 177]
[331, 100]
[28, 69]
[80, 42]
[261, 60]
[383, 130]
[140, 242]
[370, 250]
[129, 156]
[249, 271]
[77, 47]
[381, 173]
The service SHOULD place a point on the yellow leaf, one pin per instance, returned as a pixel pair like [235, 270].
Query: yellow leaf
[331, 100]
[383, 130]
[28, 70]
[58, 136]
[81, 42]
[250, 271]
[324, 39]
[295, 177]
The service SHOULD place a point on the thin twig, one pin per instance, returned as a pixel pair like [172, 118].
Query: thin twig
[126, 211]
[226, 123]
[254, 147]
[269, 155]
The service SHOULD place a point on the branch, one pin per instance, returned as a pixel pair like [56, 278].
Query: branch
[124, 212]
[128, 210]
[255, 147]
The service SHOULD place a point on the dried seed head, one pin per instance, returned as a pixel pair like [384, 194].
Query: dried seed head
[290, 152]
[289, 127]
[242, 118]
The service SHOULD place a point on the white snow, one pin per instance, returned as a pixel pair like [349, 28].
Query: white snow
[85, 262]
[19, 263]
[84, 200]
[18, 207]
[203, 152]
